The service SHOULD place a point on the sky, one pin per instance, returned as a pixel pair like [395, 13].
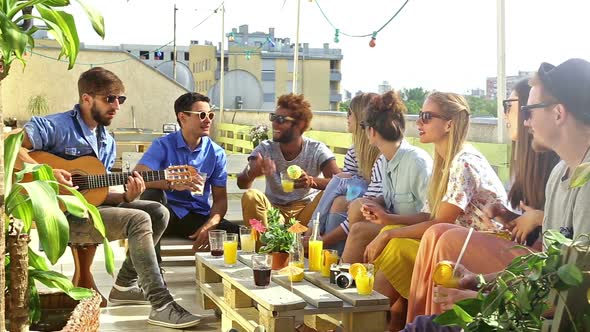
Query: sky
[447, 45]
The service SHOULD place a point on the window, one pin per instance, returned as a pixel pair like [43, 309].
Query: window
[158, 55]
[144, 55]
[171, 55]
[186, 56]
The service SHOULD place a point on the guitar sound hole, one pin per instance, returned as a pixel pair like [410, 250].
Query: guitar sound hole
[80, 181]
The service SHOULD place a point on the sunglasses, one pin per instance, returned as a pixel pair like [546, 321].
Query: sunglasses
[203, 115]
[111, 99]
[425, 117]
[348, 113]
[364, 125]
[527, 110]
[279, 118]
[507, 104]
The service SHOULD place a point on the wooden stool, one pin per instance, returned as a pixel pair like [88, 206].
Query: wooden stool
[83, 257]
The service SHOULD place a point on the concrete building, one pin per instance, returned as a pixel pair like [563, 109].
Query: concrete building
[384, 87]
[491, 83]
[151, 95]
[270, 61]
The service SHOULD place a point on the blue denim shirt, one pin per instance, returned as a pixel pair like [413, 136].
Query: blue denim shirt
[405, 179]
[207, 157]
[66, 135]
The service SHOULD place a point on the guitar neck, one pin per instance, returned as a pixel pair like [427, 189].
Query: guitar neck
[115, 179]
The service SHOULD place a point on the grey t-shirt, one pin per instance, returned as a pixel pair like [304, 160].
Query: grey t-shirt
[566, 210]
[312, 156]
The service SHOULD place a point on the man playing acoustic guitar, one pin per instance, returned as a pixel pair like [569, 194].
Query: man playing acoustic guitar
[81, 132]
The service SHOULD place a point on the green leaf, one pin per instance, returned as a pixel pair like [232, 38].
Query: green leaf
[449, 318]
[570, 274]
[21, 207]
[52, 224]
[64, 31]
[581, 175]
[14, 38]
[12, 146]
[109, 258]
[52, 279]
[34, 302]
[79, 293]
[56, 3]
[462, 314]
[74, 205]
[95, 18]
[36, 261]
[523, 298]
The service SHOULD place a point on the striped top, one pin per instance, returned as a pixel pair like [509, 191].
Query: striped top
[375, 188]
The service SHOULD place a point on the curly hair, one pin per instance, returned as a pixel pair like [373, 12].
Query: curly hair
[385, 114]
[299, 107]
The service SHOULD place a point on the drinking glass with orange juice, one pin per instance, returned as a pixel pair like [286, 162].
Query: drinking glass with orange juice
[329, 257]
[230, 249]
[364, 277]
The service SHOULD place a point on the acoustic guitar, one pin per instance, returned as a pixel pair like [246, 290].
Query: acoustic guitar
[92, 180]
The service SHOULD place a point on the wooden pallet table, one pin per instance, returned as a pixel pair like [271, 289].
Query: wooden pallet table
[284, 305]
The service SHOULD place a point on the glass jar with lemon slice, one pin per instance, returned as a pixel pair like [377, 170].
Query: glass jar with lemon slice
[443, 275]
[364, 277]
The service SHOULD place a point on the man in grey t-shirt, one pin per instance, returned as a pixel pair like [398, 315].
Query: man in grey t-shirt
[558, 115]
[271, 158]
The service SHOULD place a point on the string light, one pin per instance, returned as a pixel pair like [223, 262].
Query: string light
[270, 42]
[248, 55]
[372, 35]
[231, 37]
[373, 38]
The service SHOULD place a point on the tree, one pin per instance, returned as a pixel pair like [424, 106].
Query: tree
[16, 30]
[482, 107]
[414, 98]
[344, 106]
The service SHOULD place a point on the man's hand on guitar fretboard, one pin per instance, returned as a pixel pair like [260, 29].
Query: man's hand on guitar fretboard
[135, 187]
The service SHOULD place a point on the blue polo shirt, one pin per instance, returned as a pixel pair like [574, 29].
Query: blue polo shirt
[66, 135]
[207, 157]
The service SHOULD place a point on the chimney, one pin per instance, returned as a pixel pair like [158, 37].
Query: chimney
[271, 32]
[244, 29]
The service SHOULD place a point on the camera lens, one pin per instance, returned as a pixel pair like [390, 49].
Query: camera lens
[344, 280]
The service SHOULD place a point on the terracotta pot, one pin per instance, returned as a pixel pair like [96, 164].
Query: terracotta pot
[279, 260]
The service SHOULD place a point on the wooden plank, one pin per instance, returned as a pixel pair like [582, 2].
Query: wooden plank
[273, 298]
[349, 294]
[206, 274]
[275, 324]
[365, 321]
[235, 297]
[246, 318]
[315, 296]
[323, 322]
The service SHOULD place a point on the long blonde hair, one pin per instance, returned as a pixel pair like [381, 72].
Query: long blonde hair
[366, 154]
[455, 108]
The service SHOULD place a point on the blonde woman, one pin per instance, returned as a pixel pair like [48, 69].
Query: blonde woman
[361, 171]
[461, 185]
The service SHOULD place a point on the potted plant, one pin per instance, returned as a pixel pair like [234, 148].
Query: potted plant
[15, 40]
[39, 201]
[276, 237]
[258, 134]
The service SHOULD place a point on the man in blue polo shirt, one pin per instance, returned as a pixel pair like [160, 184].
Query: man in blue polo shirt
[190, 214]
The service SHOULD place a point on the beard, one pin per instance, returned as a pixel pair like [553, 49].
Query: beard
[100, 118]
[285, 137]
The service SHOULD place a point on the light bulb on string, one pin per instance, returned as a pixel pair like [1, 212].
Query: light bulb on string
[373, 38]
[248, 56]
[231, 37]
[336, 35]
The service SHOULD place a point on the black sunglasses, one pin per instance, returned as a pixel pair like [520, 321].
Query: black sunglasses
[348, 113]
[527, 109]
[425, 117]
[364, 125]
[506, 104]
[111, 99]
[202, 115]
[279, 118]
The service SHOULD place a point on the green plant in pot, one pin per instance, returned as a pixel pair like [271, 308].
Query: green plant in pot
[276, 237]
[39, 201]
